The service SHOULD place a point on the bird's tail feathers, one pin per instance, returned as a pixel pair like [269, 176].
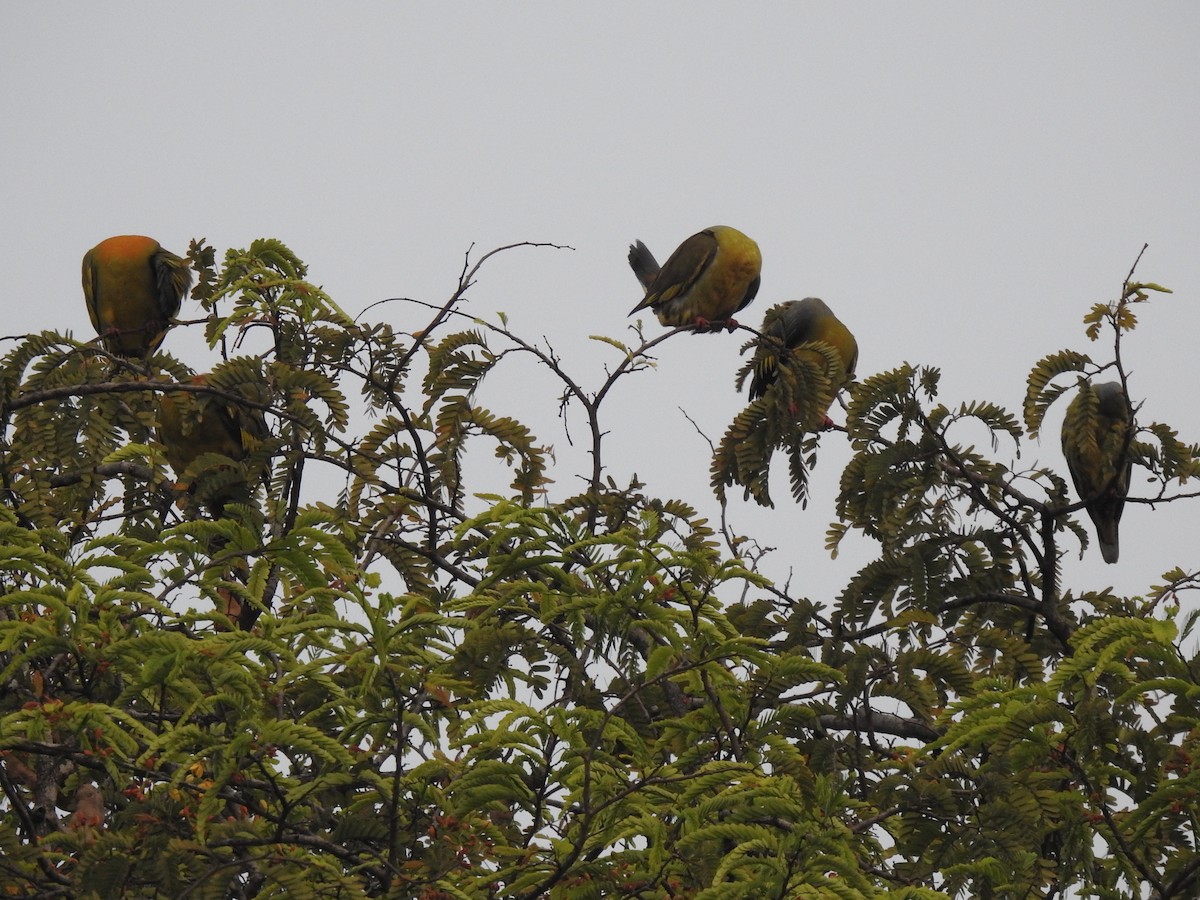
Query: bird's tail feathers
[643, 263]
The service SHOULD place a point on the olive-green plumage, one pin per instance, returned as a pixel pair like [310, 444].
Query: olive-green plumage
[798, 328]
[191, 424]
[133, 288]
[1095, 442]
[712, 275]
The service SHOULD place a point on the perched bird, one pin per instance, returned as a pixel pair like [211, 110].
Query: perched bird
[133, 288]
[88, 816]
[795, 325]
[1095, 442]
[712, 275]
[191, 424]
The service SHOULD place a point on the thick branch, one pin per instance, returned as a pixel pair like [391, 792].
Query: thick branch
[881, 723]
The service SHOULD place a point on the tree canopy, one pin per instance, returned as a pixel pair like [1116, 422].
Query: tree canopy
[323, 661]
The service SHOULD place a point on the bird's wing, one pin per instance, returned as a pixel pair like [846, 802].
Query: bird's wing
[685, 267]
[172, 278]
[89, 289]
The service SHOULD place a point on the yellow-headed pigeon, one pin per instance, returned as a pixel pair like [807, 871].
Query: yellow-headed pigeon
[191, 424]
[712, 275]
[796, 326]
[133, 288]
[1095, 442]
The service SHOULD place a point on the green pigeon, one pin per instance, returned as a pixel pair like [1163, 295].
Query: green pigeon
[711, 276]
[1095, 442]
[133, 288]
[798, 325]
[191, 424]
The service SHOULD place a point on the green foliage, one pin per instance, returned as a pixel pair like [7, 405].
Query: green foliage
[1039, 395]
[806, 380]
[437, 679]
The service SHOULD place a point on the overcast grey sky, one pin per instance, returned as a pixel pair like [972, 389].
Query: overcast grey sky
[958, 181]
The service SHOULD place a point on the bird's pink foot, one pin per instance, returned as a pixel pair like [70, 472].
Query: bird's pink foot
[824, 425]
[702, 325]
